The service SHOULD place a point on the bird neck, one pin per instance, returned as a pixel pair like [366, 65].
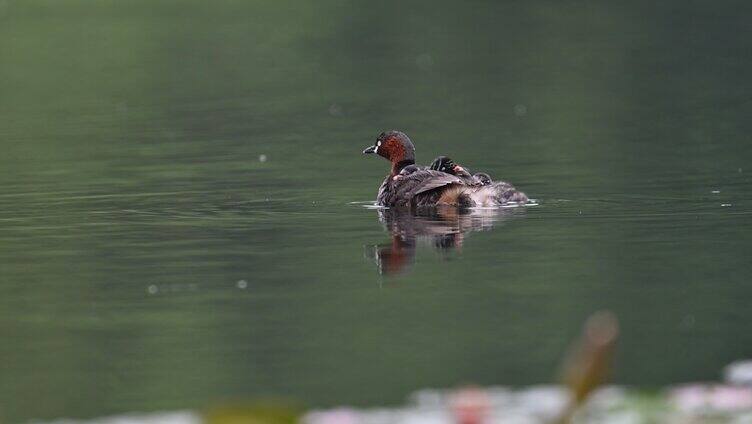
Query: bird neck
[397, 166]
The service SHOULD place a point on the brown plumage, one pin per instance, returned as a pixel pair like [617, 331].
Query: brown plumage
[420, 188]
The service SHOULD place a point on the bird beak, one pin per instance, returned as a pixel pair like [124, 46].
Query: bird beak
[458, 168]
[369, 150]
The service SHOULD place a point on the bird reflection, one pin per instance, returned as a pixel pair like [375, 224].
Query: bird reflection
[443, 229]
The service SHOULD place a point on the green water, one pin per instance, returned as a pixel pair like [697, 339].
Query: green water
[134, 198]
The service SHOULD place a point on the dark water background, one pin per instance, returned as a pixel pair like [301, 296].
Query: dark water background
[133, 199]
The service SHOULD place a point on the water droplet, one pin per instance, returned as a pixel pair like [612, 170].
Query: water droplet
[335, 110]
[716, 191]
[725, 205]
[152, 289]
[121, 108]
[688, 321]
[520, 110]
[242, 284]
[424, 61]
[263, 158]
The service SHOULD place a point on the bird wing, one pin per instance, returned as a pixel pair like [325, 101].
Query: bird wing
[425, 180]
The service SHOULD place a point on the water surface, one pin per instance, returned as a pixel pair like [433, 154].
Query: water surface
[181, 192]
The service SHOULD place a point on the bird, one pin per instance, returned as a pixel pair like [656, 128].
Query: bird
[421, 187]
[446, 164]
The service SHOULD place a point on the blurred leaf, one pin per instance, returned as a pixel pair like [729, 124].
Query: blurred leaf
[260, 412]
[589, 361]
